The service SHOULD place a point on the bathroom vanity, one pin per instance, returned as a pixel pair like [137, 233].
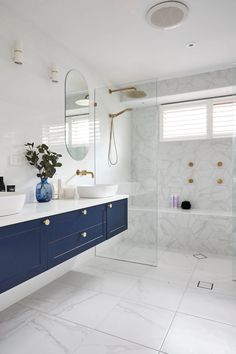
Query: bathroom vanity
[47, 234]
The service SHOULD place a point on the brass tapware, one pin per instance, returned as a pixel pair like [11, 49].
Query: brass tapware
[131, 88]
[219, 163]
[46, 222]
[219, 181]
[114, 115]
[190, 180]
[190, 164]
[131, 92]
[84, 173]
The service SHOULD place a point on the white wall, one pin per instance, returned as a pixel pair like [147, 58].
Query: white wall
[29, 105]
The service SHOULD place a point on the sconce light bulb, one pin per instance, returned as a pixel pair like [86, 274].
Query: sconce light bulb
[18, 52]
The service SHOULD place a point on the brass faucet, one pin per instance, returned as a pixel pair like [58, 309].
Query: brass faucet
[84, 173]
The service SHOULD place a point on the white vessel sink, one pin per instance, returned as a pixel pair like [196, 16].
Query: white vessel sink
[98, 191]
[11, 203]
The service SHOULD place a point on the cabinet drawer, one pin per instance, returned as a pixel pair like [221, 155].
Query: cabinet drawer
[68, 247]
[70, 223]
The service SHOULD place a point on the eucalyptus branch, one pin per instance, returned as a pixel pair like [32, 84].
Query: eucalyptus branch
[43, 159]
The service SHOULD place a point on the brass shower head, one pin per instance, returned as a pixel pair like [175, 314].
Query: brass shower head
[131, 92]
[114, 115]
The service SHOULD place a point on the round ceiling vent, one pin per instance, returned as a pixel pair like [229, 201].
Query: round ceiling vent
[167, 14]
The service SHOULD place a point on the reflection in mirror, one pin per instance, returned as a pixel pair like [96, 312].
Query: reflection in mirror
[77, 115]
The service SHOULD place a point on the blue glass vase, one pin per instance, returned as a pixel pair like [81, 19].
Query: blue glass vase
[43, 191]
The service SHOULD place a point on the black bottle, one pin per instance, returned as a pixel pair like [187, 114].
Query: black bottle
[2, 185]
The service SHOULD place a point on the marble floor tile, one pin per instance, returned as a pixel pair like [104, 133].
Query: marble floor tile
[192, 335]
[145, 255]
[44, 334]
[86, 307]
[99, 280]
[207, 304]
[156, 293]
[49, 297]
[223, 283]
[178, 259]
[216, 264]
[143, 324]
[170, 274]
[114, 265]
[101, 343]
[13, 318]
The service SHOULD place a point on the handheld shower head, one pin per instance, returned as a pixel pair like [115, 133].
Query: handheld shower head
[114, 115]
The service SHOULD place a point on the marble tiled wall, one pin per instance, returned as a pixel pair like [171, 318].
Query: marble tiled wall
[204, 192]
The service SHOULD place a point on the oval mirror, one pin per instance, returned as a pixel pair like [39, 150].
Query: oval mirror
[76, 115]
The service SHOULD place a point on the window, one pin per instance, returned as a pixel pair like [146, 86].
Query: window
[203, 119]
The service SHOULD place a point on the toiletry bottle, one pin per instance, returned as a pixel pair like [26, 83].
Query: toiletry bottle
[172, 201]
[2, 185]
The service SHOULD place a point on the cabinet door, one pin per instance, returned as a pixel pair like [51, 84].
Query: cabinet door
[117, 217]
[23, 252]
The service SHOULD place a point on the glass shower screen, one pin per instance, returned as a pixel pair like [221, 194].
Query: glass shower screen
[126, 137]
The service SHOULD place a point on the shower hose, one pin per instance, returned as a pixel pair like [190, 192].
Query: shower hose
[112, 141]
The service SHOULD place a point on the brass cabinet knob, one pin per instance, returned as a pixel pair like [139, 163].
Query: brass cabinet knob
[190, 164]
[46, 222]
[219, 163]
[83, 234]
[110, 205]
[220, 181]
[190, 180]
[85, 212]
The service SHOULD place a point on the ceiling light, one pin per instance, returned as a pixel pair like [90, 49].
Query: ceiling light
[83, 101]
[167, 14]
[190, 45]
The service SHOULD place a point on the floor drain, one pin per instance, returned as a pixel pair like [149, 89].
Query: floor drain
[200, 256]
[205, 285]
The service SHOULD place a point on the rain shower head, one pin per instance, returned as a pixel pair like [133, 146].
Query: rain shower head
[130, 92]
[114, 115]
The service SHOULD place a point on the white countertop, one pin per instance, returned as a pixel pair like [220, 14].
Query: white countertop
[32, 211]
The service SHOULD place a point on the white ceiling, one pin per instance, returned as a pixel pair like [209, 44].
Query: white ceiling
[114, 37]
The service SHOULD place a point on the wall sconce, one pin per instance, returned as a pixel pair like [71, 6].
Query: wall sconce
[18, 52]
[54, 74]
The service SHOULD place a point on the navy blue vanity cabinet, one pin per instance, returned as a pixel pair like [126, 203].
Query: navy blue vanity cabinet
[117, 217]
[23, 252]
[75, 232]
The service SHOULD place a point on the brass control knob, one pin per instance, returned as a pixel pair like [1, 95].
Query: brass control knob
[110, 205]
[83, 234]
[220, 181]
[46, 222]
[85, 212]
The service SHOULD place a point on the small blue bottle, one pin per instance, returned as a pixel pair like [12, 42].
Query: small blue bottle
[43, 191]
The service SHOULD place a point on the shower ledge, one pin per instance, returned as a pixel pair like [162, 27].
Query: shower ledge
[203, 212]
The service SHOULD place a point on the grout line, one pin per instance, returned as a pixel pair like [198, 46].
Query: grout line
[180, 301]
[206, 319]
[103, 332]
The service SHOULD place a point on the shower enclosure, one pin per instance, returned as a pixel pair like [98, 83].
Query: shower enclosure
[126, 150]
[173, 137]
